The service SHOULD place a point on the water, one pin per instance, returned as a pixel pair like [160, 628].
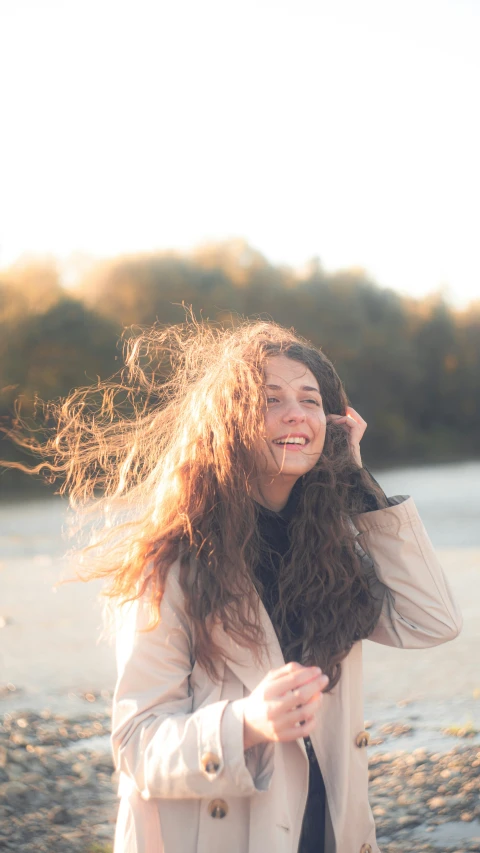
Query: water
[447, 497]
[33, 529]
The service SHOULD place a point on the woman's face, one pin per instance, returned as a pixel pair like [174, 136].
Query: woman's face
[295, 421]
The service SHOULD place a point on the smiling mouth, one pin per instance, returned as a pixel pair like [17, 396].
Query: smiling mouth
[291, 441]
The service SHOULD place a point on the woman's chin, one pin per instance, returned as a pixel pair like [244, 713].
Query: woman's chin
[289, 469]
[295, 465]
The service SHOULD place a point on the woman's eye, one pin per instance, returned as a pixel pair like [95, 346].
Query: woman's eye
[272, 400]
[315, 402]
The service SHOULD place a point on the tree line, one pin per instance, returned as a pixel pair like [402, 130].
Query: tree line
[411, 367]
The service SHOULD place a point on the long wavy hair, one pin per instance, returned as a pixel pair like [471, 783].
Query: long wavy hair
[159, 464]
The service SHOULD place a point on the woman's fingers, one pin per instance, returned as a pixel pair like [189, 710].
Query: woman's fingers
[354, 426]
[304, 712]
[286, 698]
[291, 679]
[280, 706]
[351, 421]
[303, 695]
[284, 712]
[352, 414]
[297, 695]
[290, 669]
[297, 731]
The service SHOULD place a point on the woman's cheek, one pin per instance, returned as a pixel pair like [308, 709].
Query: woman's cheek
[322, 435]
[263, 456]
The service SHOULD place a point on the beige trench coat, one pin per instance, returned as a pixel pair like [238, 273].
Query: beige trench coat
[186, 784]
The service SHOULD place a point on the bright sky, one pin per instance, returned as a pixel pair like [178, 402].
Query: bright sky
[347, 129]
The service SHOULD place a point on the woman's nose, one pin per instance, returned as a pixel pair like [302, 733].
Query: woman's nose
[294, 414]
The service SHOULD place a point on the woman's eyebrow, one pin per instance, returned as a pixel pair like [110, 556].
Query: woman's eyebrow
[303, 388]
[310, 388]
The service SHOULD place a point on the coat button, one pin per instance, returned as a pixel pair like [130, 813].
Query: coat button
[218, 808]
[210, 762]
[366, 848]
[362, 739]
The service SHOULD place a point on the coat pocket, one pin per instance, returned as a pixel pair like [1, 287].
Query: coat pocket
[224, 825]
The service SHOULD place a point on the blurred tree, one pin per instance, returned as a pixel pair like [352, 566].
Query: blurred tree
[44, 356]
[411, 368]
[29, 287]
[144, 289]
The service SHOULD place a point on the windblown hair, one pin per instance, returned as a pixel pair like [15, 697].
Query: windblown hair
[159, 465]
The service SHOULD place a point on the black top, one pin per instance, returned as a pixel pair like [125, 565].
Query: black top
[274, 537]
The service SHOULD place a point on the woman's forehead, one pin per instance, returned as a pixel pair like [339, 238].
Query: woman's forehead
[281, 371]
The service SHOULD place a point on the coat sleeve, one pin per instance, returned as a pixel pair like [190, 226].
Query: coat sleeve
[164, 746]
[418, 609]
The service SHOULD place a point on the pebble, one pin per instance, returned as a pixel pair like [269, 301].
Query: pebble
[59, 814]
[408, 820]
[14, 792]
[436, 802]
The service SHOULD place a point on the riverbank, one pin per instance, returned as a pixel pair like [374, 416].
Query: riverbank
[58, 786]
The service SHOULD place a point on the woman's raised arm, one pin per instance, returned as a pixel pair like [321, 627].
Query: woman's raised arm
[418, 608]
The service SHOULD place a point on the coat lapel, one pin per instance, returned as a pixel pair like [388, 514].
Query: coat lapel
[242, 663]
[241, 660]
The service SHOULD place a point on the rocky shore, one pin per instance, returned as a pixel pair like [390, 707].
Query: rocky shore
[58, 787]
[56, 795]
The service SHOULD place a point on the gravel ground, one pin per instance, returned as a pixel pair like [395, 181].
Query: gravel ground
[56, 795]
[420, 794]
[58, 787]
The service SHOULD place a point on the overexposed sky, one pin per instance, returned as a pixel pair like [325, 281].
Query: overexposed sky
[347, 129]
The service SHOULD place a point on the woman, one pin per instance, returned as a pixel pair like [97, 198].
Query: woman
[261, 554]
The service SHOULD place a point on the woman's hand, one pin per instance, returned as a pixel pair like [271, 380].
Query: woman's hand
[355, 427]
[282, 707]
